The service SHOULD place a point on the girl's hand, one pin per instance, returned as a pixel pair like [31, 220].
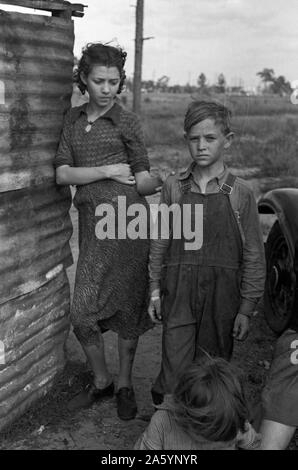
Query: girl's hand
[163, 173]
[161, 176]
[159, 183]
[121, 172]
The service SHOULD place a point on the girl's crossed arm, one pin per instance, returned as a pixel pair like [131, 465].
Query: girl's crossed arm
[121, 172]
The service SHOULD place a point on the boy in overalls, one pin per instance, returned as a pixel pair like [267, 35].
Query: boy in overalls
[205, 297]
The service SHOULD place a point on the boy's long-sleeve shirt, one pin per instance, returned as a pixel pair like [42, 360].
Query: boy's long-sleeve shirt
[253, 268]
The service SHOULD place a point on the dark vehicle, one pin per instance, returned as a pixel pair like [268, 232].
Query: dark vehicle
[282, 256]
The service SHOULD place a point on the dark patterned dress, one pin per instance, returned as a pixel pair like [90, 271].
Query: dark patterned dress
[112, 275]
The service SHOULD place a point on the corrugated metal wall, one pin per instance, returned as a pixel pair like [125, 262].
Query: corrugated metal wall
[36, 60]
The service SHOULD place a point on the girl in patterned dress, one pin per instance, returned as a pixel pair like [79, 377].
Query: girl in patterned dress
[102, 152]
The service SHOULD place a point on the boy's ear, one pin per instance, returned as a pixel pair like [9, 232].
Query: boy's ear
[83, 78]
[185, 135]
[229, 139]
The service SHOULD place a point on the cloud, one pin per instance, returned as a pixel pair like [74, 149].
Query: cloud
[191, 36]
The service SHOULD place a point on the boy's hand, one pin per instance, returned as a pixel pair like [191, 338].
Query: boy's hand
[154, 308]
[241, 327]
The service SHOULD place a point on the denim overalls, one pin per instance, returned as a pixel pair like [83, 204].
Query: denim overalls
[201, 288]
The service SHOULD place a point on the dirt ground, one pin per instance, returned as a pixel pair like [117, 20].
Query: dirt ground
[49, 425]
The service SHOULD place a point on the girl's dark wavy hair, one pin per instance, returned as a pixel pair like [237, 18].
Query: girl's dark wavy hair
[100, 54]
[209, 401]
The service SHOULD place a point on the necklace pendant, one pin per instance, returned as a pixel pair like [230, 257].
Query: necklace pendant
[88, 128]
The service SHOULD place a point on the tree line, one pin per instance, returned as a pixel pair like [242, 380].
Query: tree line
[271, 84]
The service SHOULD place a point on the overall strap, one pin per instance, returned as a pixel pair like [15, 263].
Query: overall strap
[227, 188]
[185, 185]
[228, 185]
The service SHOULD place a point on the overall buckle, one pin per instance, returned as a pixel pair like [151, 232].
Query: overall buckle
[226, 188]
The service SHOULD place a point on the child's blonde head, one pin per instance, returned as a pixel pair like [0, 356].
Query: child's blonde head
[209, 400]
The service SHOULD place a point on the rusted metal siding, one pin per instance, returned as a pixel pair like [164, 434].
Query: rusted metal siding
[33, 330]
[36, 60]
[34, 234]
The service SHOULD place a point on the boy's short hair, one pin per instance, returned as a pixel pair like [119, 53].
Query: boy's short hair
[209, 401]
[199, 110]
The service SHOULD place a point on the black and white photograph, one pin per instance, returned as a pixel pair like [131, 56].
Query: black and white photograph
[148, 228]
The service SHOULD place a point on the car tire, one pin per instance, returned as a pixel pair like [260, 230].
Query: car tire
[280, 281]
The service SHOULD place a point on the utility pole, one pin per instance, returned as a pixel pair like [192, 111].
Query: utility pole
[137, 79]
[139, 40]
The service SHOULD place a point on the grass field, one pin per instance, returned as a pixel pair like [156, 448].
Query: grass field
[266, 131]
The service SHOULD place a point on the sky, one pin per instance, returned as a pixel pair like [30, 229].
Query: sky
[235, 37]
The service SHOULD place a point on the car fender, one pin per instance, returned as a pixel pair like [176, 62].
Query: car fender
[284, 203]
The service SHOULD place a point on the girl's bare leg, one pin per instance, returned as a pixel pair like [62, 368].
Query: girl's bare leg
[96, 356]
[127, 350]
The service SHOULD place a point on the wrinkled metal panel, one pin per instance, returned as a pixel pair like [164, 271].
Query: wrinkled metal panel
[36, 60]
[34, 234]
[33, 331]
